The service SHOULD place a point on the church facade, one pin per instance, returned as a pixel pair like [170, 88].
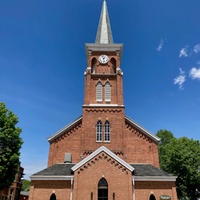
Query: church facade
[103, 154]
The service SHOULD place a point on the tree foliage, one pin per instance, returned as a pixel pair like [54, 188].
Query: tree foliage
[10, 144]
[26, 185]
[181, 157]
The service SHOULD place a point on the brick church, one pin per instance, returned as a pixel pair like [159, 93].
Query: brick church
[103, 155]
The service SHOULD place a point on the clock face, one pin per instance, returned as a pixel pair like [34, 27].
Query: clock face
[103, 59]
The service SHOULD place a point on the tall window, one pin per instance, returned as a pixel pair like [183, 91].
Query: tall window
[53, 197]
[99, 91]
[99, 131]
[152, 197]
[107, 131]
[103, 189]
[113, 63]
[93, 64]
[11, 194]
[107, 92]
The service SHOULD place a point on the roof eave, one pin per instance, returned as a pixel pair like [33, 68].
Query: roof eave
[103, 47]
[47, 178]
[58, 133]
[152, 136]
[155, 178]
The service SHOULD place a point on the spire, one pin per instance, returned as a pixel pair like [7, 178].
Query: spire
[104, 33]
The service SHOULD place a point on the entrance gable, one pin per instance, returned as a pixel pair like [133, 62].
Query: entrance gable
[102, 175]
[109, 155]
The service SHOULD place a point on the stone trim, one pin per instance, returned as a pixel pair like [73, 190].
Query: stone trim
[154, 178]
[52, 178]
[104, 105]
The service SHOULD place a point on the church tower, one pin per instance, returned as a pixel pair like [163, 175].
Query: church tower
[103, 154]
[103, 109]
[103, 121]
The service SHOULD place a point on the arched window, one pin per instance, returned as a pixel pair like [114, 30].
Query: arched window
[93, 64]
[99, 131]
[99, 91]
[107, 92]
[53, 197]
[113, 69]
[107, 131]
[103, 189]
[152, 197]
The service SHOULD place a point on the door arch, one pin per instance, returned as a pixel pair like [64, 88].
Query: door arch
[152, 197]
[103, 189]
[53, 197]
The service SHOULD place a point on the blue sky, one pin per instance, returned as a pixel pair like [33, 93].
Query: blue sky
[42, 63]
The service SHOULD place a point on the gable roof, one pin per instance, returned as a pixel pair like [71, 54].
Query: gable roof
[142, 172]
[55, 172]
[148, 170]
[144, 131]
[108, 152]
[65, 128]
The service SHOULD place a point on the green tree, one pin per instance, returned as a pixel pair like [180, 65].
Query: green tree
[26, 185]
[10, 144]
[181, 157]
[165, 138]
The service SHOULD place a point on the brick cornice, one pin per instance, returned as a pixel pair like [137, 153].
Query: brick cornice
[103, 156]
[105, 151]
[140, 131]
[67, 130]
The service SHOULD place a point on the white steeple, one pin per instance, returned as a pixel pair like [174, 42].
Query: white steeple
[104, 33]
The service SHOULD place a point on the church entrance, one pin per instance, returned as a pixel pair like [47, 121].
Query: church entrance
[152, 197]
[103, 189]
[53, 197]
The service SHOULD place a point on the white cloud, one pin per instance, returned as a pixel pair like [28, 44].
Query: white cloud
[196, 48]
[195, 73]
[183, 52]
[180, 79]
[160, 46]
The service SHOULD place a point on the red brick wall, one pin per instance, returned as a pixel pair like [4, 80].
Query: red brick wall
[87, 177]
[90, 118]
[143, 189]
[68, 142]
[126, 141]
[139, 148]
[41, 190]
[103, 73]
[23, 197]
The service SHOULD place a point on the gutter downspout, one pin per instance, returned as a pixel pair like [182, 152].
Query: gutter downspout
[133, 187]
[72, 183]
